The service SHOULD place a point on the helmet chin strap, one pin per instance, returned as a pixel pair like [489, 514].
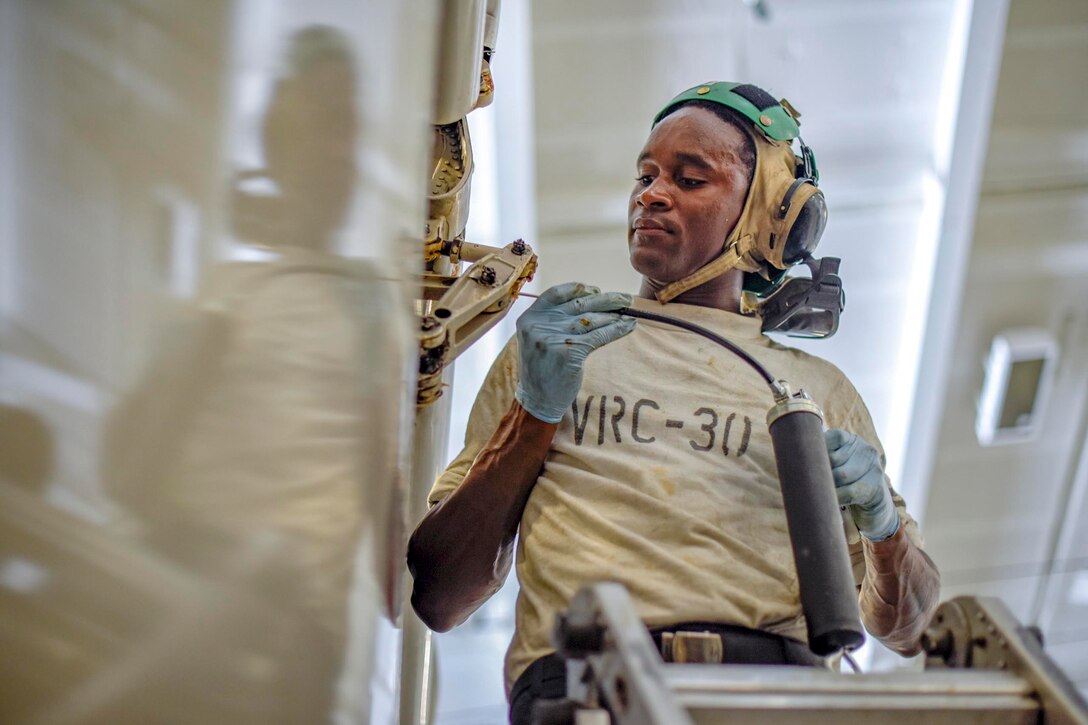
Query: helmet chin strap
[740, 248]
[737, 255]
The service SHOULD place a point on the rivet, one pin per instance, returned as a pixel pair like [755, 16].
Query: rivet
[703, 91]
[765, 120]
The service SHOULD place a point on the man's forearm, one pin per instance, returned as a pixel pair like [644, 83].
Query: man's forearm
[461, 551]
[899, 595]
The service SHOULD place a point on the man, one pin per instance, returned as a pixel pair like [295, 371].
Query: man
[649, 462]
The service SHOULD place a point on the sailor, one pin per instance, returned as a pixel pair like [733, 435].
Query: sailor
[648, 462]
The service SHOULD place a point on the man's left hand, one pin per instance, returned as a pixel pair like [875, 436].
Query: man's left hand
[859, 483]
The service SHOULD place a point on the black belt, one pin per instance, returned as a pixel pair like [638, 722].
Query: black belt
[546, 678]
[744, 646]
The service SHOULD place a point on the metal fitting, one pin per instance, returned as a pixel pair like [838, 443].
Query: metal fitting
[786, 403]
[938, 642]
[578, 634]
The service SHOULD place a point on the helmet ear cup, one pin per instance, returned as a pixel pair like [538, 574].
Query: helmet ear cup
[797, 220]
[808, 226]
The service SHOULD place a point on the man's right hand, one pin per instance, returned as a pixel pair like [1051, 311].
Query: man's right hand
[555, 335]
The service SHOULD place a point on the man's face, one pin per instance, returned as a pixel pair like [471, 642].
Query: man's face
[689, 192]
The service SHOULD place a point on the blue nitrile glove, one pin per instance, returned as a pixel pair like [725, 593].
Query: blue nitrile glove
[555, 335]
[859, 482]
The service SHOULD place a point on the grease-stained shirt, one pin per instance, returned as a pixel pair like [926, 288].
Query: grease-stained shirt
[662, 477]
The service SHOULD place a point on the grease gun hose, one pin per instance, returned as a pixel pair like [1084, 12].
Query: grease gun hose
[698, 330]
[692, 327]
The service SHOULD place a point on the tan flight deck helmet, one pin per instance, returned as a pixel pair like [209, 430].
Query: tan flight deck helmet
[784, 214]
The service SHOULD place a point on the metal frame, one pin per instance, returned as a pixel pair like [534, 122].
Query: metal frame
[462, 308]
[981, 633]
[982, 667]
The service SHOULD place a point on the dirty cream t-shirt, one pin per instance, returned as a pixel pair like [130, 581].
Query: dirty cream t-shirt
[662, 477]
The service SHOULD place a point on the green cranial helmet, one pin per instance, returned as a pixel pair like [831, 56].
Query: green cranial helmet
[777, 121]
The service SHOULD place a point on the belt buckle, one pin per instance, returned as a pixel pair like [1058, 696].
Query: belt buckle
[692, 647]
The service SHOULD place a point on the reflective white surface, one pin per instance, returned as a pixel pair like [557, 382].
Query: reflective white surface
[206, 345]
